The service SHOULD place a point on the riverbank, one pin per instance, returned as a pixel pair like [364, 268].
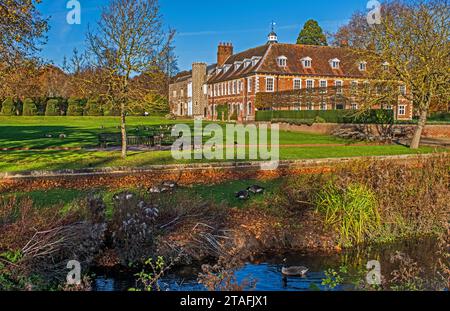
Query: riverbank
[390, 200]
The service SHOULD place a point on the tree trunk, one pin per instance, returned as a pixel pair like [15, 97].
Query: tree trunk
[123, 130]
[418, 134]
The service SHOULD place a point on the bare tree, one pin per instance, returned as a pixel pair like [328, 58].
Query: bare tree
[410, 45]
[129, 40]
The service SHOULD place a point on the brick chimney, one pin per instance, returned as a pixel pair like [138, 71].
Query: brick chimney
[224, 51]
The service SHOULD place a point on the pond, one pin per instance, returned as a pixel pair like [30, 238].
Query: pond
[264, 274]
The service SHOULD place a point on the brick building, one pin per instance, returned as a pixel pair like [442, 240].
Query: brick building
[237, 81]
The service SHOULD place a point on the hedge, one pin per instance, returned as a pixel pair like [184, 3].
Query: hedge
[93, 108]
[329, 116]
[52, 108]
[29, 108]
[439, 116]
[8, 108]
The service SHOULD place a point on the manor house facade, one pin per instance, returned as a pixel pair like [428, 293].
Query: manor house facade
[236, 80]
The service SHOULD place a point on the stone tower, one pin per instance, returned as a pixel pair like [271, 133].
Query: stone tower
[199, 96]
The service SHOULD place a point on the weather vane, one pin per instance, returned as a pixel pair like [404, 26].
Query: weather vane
[272, 24]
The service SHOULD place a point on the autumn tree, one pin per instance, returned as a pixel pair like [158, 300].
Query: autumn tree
[129, 40]
[312, 34]
[410, 46]
[22, 30]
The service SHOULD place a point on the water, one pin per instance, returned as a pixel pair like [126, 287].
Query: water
[265, 274]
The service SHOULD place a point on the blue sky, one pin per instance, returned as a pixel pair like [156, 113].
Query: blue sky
[202, 24]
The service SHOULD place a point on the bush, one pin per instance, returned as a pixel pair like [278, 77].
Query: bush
[52, 108]
[93, 108]
[74, 107]
[29, 107]
[8, 107]
[329, 116]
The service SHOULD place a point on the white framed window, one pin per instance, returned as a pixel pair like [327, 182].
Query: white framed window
[309, 106]
[234, 87]
[385, 66]
[354, 106]
[402, 90]
[335, 63]
[401, 110]
[323, 84]
[306, 62]
[270, 84]
[323, 105]
[249, 85]
[309, 84]
[297, 84]
[282, 61]
[362, 66]
[174, 94]
[338, 84]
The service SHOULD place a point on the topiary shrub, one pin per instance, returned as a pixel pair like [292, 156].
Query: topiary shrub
[52, 108]
[93, 108]
[29, 108]
[74, 107]
[8, 108]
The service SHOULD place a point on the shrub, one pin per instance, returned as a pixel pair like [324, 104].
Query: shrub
[52, 108]
[352, 211]
[74, 107]
[8, 107]
[319, 120]
[29, 107]
[93, 108]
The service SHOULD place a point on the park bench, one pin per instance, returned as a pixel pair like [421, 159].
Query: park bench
[115, 139]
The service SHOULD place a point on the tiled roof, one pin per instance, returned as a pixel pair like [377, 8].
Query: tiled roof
[232, 73]
[320, 65]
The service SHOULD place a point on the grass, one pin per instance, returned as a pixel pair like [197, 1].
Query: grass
[352, 211]
[30, 132]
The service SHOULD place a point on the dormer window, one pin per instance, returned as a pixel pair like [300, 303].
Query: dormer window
[247, 62]
[362, 66]
[255, 60]
[307, 62]
[385, 66]
[237, 65]
[219, 70]
[335, 63]
[282, 61]
[226, 67]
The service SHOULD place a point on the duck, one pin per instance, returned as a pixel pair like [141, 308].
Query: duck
[293, 270]
[242, 195]
[169, 184]
[255, 189]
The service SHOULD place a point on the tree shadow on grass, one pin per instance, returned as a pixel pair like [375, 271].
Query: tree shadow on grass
[37, 137]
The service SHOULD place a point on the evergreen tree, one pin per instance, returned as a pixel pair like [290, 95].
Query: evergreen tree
[52, 108]
[312, 34]
[8, 107]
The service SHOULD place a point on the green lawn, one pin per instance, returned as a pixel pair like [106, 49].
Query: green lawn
[30, 132]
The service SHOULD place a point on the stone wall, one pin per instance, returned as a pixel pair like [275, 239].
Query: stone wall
[430, 131]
